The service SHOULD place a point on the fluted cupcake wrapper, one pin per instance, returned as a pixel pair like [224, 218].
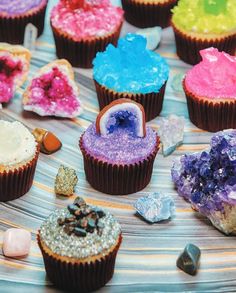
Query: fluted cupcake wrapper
[188, 47]
[12, 29]
[210, 115]
[80, 277]
[152, 102]
[81, 53]
[15, 183]
[118, 179]
[143, 14]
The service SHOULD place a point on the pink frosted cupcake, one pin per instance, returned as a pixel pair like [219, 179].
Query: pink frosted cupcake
[82, 28]
[210, 89]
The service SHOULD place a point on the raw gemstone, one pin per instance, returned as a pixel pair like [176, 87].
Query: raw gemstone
[215, 6]
[155, 207]
[171, 132]
[66, 181]
[208, 180]
[189, 259]
[153, 36]
[16, 242]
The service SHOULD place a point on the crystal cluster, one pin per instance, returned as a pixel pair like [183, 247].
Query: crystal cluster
[208, 180]
[155, 207]
[171, 132]
[131, 67]
[66, 181]
[153, 36]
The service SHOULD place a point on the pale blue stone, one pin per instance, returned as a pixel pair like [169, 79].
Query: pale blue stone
[155, 207]
[153, 36]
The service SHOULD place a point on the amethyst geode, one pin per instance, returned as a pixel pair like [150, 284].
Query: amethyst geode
[208, 180]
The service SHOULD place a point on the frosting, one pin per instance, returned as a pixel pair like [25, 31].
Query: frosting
[194, 16]
[14, 7]
[95, 18]
[17, 144]
[214, 77]
[130, 67]
[121, 146]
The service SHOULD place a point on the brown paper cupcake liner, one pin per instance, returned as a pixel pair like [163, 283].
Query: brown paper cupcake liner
[148, 14]
[12, 29]
[188, 48]
[81, 53]
[151, 102]
[209, 115]
[17, 182]
[80, 277]
[118, 179]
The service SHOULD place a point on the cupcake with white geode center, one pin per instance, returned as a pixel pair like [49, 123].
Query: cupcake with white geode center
[79, 246]
[119, 149]
[18, 159]
[131, 71]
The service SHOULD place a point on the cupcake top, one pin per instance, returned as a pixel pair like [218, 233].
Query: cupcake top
[130, 67]
[86, 18]
[15, 7]
[80, 230]
[205, 16]
[214, 77]
[120, 135]
[17, 144]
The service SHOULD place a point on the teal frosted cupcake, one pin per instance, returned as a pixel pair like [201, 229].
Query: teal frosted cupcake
[131, 71]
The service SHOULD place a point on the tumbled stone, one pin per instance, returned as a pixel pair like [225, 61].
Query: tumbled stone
[155, 207]
[171, 132]
[153, 36]
[188, 261]
[80, 232]
[16, 242]
[66, 181]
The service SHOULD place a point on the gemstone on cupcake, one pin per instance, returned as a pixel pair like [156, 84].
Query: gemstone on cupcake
[208, 180]
[153, 36]
[14, 68]
[66, 181]
[53, 91]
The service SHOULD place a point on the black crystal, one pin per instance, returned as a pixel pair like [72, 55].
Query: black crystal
[188, 261]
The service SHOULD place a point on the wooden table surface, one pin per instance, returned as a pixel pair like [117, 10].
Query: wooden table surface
[146, 261]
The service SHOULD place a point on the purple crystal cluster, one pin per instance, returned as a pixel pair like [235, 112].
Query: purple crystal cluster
[208, 179]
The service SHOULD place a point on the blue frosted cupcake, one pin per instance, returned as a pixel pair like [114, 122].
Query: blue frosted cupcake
[131, 71]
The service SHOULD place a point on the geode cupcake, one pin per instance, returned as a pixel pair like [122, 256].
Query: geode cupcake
[119, 149]
[18, 159]
[201, 24]
[16, 14]
[210, 89]
[131, 71]
[79, 246]
[148, 13]
[208, 180]
[82, 28]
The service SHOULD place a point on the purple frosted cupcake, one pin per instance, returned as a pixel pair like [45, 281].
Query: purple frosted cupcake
[119, 149]
[16, 14]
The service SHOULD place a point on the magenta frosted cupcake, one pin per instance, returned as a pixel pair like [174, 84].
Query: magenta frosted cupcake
[210, 89]
[16, 14]
[119, 149]
[82, 28]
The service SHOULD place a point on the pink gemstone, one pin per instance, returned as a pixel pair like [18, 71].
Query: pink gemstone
[16, 242]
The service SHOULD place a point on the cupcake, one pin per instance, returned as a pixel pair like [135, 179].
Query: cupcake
[201, 24]
[131, 71]
[14, 68]
[16, 14]
[82, 28]
[18, 159]
[79, 246]
[210, 89]
[119, 149]
[208, 179]
[148, 13]
[53, 91]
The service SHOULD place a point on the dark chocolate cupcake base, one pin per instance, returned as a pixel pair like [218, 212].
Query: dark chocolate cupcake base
[188, 48]
[148, 14]
[80, 276]
[118, 179]
[210, 115]
[81, 53]
[12, 29]
[152, 102]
